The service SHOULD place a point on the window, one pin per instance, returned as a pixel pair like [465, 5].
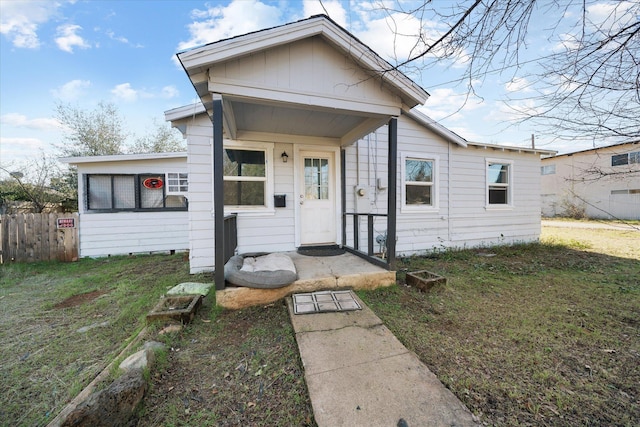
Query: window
[419, 182]
[498, 183]
[316, 179]
[625, 159]
[177, 183]
[131, 193]
[548, 170]
[245, 177]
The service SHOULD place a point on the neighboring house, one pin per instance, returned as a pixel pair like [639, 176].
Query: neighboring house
[597, 183]
[132, 203]
[310, 138]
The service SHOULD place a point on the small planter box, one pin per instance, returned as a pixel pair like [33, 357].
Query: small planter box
[425, 280]
[182, 308]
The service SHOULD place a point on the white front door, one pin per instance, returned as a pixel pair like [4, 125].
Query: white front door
[317, 198]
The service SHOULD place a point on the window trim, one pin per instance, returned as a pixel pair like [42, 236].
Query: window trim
[267, 147]
[137, 194]
[179, 192]
[630, 158]
[509, 185]
[435, 193]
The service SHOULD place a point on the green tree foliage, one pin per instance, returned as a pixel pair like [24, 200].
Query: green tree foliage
[95, 132]
[162, 139]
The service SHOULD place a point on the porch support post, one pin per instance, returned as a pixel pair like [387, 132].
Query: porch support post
[218, 196]
[391, 193]
[343, 195]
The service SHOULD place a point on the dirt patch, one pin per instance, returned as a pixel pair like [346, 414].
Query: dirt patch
[80, 299]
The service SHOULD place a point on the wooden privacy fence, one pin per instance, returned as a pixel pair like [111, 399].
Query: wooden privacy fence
[38, 237]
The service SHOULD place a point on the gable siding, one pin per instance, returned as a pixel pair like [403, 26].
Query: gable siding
[120, 233]
[307, 66]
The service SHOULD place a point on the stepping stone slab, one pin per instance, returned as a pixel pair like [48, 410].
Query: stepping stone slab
[191, 288]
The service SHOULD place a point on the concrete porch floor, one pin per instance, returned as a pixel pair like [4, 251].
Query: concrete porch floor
[346, 271]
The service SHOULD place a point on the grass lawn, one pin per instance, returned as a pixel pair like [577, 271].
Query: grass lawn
[543, 334]
[531, 335]
[46, 355]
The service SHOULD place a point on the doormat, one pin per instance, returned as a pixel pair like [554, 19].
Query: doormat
[324, 302]
[326, 250]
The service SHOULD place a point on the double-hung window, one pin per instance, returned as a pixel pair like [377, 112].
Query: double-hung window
[499, 191]
[134, 192]
[245, 178]
[419, 179]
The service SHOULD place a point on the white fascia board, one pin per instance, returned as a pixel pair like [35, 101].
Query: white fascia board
[198, 59]
[512, 148]
[122, 157]
[184, 112]
[436, 127]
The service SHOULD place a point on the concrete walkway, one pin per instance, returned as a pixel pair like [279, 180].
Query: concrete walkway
[359, 374]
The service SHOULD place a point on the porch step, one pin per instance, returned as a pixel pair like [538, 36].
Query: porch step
[341, 272]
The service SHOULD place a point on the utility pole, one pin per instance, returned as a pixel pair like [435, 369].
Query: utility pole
[533, 141]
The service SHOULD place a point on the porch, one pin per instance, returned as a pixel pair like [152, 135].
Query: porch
[346, 271]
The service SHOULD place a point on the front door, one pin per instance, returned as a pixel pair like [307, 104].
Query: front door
[317, 198]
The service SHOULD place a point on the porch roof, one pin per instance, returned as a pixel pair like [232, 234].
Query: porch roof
[250, 105]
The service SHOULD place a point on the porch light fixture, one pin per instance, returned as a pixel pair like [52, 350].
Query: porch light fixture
[284, 157]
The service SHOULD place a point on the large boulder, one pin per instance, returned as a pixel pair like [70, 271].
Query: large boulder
[113, 406]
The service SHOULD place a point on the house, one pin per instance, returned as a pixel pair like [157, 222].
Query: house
[600, 182]
[132, 203]
[305, 136]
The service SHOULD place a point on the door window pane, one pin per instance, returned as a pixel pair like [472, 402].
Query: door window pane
[316, 179]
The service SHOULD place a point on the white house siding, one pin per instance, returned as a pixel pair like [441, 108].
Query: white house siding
[574, 188]
[103, 234]
[475, 224]
[118, 233]
[462, 218]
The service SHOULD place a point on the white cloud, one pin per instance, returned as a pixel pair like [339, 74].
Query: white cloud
[611, 16]
[19, 20]
[71, 90]
[333, 8]
[518, 84]
[21, 121]
[125, 92]
[238, 17]
[169, 92]
[122, 39]
[12, 149]
[394, 37]
[68, 39]
[447, 103]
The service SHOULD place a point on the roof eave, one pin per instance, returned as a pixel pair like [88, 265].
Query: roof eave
[122, 157]
[198, 59]
[436, 127]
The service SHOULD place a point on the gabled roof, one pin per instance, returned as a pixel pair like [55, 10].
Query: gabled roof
[435, 127]
[571, 153]
[198, 60]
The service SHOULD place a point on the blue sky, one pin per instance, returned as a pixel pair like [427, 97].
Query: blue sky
[85, 52]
